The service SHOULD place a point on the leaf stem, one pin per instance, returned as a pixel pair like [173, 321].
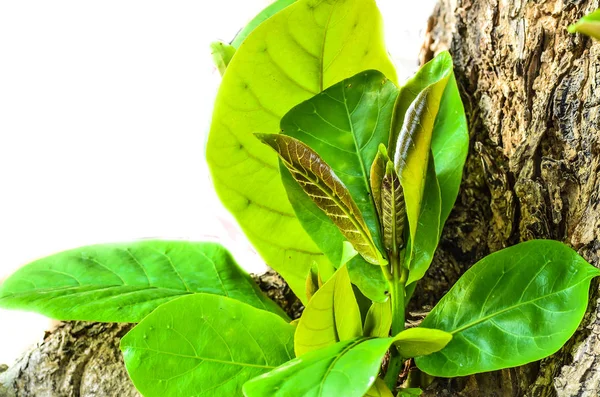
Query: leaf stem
[397, 283]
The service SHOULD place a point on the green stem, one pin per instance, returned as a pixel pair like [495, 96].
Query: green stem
[397, 292]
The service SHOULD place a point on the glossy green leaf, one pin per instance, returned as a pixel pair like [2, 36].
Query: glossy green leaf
[588, 25]
[513, 307]
[325, 189]
[414, 342]
[299, 51]
[346, 369]
[222, 54]
[450, 146]
[450, 138]
[262, 16]
[332, 315]
[345, 125]
[379, 319]
[414, 117]
[205, 345]
[379, 389]
[428, 228]
[124, 282]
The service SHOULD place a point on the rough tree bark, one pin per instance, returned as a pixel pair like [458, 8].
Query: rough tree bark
[532, 95]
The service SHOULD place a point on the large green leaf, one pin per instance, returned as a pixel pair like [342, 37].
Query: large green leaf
[124, 282]
[205, 345]
[306, 47]
[332, 315]
[326, 190]
[513, 307]
[589, 25]
[345, 124]
[262, 16]
[346, 368]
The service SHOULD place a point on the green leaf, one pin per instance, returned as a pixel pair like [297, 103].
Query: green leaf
[262, 16]
[345, 125]
[346, 369]
[124, 282]
[306, 47]
[416, 110]
[428, 228]
[222, 54]
[450, 145]
[368, 278]
[414, 342]
[332, 315]
[513, 307]
[379, 389]
[320, 182]
[588, 25]
[379, 319]
[204, 345]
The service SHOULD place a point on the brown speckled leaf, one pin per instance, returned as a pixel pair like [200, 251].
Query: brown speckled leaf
[322, 185]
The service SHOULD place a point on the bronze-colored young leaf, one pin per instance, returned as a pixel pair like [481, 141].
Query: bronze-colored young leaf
[393, 211]
[376, 175]
[322, 185]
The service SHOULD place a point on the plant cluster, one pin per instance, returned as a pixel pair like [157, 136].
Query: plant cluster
[342, 180]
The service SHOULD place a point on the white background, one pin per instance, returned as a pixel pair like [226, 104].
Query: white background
[104, 111]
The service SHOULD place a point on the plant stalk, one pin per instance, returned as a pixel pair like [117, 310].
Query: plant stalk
[397, 294]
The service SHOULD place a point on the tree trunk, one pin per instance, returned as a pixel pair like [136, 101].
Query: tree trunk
[81, 359]
[532, 96]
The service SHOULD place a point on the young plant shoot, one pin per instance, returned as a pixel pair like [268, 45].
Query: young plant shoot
[342, 180]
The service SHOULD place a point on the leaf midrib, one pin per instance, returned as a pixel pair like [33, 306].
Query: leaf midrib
[214, 360]
[490, 316]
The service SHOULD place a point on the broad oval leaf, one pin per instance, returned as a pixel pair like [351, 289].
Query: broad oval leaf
[379, 319]
[414, 342]
[345, 369]
[588, 25]
[204, 345]
[332, 315]
[124, 282]
[344, 125]
[513, 307]
[326, 190]
[299, 51]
